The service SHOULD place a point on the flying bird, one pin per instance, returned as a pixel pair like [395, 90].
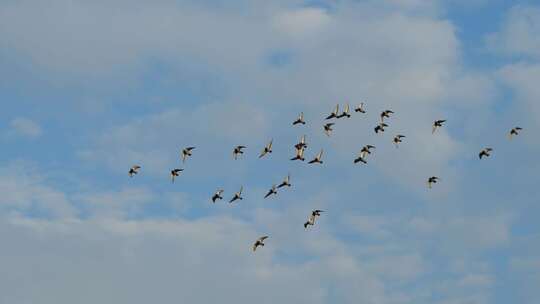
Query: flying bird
[514, 131]
[398, 139]
[328, 128]
[285, 182]
[217, 195]
[317, 159]
[345, 113]
[432, 180]
[237, 151]
[237, 195]
[360, 108]
[267, 149]
[312, 217]
[299, 154]
[437, 124]
[380, 127]
[134, 170]
[259, 242]
[272, 190]
[334, 114]
[386, 114]
[300, 119]
[366, 150]
[175, 173]
[302, 143]
[485, 152]
[186, 152]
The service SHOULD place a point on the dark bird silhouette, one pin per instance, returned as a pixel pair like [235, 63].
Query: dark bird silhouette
[134, 170]
[380, 127]
[217, 195]
[259, 242]
[312, 218]
[386, 114]
[272, 190]
[398, 139]
[514, 131]
[285, 182]
[237, 151]
[328, 128]
[175, 173]
[302, 143]
[237, 195]
[485, 153]
[437, 124]
[186, 152]
[366, 150]
[360, 108]
[299, 154]
[317, 159]
[267, 149]
[299, 120]
[334, 114]
[345, 113]
[432, 180]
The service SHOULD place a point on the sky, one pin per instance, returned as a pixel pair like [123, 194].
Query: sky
[90, 88]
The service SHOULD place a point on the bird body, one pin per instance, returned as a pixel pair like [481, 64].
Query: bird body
[217, 195]
[272, 190]
[237, 195]
[175, 173]
[380, 127]
[514, 131]
[366, 150]
[237, 151]
[386, 114]
[299, 154]
[328, 128]
[259, 242]
[437, 124]
[302, 143]
[267, 149]
[334, 114]
[317, 159]
[345, 113]
[360, 108]
[299, 120]
[398, 139]
[485, 153]
[312, 218]
[286, 182]
[432, 180]
[186, 152]
[134, 170]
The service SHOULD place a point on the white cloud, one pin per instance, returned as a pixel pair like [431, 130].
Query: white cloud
[25, 127]
[306, 21]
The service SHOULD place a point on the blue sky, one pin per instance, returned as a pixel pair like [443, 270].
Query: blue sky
[90, 89]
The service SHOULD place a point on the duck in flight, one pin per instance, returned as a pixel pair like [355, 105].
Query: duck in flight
[328, 128]
[345, 113]
[217, 195]
[312, 218]
[134, 170]
[186, 152]
[366, 150]
[299, 154]
[300, 119]
[175, 173]
[302, 143]
[485, 153]
[398, 139]
[432, 180]
[386, 114]
[259, 242]
[237, 151]
[237, 195]
[514, 131]
[267, 149]
[360, 108]
[437, 124]
[272, 190]
[380, 127]
[317, 159]
[286, 182]
[334, 114]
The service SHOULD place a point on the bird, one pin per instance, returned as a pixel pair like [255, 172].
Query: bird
[380, 127]
[345, 113]
[312, 217]
[317, 159]
[437, 124]
[432, 180]
[299, 154]
[302, 143]
[237, 195]
[272, 190]
[175, 173]
[366, 150]
[134, 170]
[328, 128]
[259, 242]
[514, 131]
[360, 108]
[300, 119]
[286, 182]
[485, 152]
[186, 152]
[217, 195]
[398, 139]
[237, 151]
[267, 149]
[334, 114]
[386, 114]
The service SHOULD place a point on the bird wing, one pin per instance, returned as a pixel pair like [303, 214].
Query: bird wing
[262, 238]
[319, 156]
[434, 128]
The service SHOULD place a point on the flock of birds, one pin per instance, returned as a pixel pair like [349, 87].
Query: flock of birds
[299, 155]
